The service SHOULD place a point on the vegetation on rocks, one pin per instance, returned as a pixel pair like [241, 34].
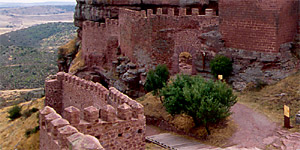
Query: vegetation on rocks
[156, 79]
[221, 65]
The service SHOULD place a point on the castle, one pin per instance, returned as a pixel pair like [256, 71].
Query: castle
[122, 39]
[258, 36]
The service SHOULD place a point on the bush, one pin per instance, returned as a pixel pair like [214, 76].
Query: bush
[30, 112]
[14, 112]
[28, 132]
[156, 79]
[221, 65]
[206, 101]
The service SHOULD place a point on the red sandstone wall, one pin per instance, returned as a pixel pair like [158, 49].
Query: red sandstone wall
[81, 93]
[113, 118]
[56, 133]
[100, 42]
[158, 34]
[257, 25]
[288, 20]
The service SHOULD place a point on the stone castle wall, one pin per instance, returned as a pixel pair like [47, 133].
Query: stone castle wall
[114, 119]
[141, 34]
[258, 25]
[57, 133]
[100, 42]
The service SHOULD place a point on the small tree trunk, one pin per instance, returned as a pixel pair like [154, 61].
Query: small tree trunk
[207, 129]
[161, 99]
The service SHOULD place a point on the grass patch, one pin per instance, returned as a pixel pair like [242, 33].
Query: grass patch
[271, 99]
[78, 62]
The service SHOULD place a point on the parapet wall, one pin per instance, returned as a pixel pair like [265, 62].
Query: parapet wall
[57, 133]
[138, 2]
[117, 121]
[67, 90]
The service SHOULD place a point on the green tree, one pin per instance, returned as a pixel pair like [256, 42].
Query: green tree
[221, 65]
[206, 101]
[14, 112]
[156, 79]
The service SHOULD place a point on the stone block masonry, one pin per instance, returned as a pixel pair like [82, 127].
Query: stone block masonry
[258, 25]
[57, 133]
[79, 111]
[159, 35]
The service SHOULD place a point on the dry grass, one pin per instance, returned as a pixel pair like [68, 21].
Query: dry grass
[220, 133]
[77, 63]
[68, 48]
[270, 99]
[12, 133]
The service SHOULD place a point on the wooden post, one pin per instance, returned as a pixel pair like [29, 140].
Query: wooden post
[286, 116]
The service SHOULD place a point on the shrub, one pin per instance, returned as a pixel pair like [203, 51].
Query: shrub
[14, 112]
[221, 65]
[156, 79]
[30, 112]
[206, 101]
[28, 132]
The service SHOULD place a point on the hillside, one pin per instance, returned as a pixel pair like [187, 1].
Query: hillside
[29, 55]
[33, 36]
[13, 132]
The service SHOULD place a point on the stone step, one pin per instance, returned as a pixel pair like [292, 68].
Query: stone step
[176, 142]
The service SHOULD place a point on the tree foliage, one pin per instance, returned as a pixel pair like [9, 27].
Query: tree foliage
[14, 112]
[206, 101]
[221, 65]
[156, 79]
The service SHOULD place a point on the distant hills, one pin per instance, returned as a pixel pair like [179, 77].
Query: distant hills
[5, 4]
[16, 18]
[37, 10]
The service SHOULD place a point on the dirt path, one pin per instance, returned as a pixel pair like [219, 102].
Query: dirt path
[255, 130]
[253, 127]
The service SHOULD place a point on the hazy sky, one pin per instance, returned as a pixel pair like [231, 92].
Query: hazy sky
[34, 1]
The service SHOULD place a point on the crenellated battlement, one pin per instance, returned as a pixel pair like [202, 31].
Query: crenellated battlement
[90, 108]
[181, 12]
[83, 84]
[109, 24]
[57, 133]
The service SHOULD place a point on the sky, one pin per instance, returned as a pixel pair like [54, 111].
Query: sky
[36, 1]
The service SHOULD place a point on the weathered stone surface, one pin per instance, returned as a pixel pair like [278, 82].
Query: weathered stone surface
[81, 101]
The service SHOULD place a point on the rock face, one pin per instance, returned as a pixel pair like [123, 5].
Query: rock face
[122, 40]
